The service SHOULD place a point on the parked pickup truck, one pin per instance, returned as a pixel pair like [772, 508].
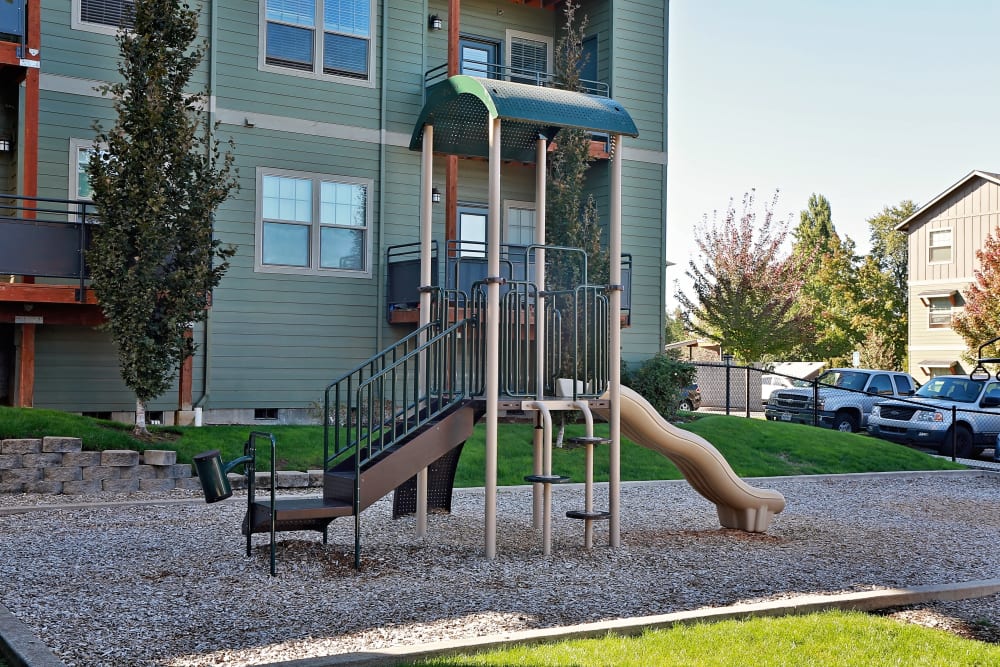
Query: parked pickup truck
[846, 398]
[927, 420]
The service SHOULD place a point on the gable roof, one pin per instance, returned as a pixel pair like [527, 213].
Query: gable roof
[987, 175]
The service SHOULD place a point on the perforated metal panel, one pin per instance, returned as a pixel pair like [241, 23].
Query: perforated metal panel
[460, 108]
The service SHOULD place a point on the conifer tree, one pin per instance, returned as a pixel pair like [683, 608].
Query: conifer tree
[158, 176]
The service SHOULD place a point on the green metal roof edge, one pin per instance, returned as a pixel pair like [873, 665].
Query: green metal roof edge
[526, 103]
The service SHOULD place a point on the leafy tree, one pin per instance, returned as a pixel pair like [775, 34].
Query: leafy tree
[828, 295]
[980, 320]
[157, 182]
[881, 311]
[571, 218]
[745, 290]
[660, 381]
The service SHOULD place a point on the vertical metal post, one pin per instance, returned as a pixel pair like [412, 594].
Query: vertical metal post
[747, 371]
[492, 393]
[728, 358]
[615, 345]
[954, 433]
[426, 237]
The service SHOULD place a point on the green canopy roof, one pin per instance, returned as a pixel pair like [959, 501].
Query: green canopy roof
[460, 107]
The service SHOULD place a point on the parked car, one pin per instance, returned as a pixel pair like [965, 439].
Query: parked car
[846, 398]
[690, 398]
[771, 383]
[927, 420]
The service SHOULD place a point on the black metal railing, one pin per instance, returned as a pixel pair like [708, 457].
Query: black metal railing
[45, 237]
[529, 76]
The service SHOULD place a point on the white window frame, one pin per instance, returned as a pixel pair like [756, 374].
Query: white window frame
[511, 34]
[314, 268]
[931, 246]
[931, 310]
[317, 71]
[75, 146]
[77, 22]
[517, 205]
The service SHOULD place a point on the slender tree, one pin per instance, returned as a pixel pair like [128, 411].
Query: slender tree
[980, 320]
[571, 217]
[157, 180]
[745, 290]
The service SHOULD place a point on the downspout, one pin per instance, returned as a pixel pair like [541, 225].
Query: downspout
[210, 134]
[666, 161]
[383, 97]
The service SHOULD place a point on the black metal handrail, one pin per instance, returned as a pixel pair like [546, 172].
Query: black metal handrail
[528, 76]
[45, 237]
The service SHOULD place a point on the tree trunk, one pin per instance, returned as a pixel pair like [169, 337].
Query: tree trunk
[140, 419]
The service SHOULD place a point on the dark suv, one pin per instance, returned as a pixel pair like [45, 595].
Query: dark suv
[690, 398]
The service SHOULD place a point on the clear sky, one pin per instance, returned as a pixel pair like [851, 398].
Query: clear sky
[865, 102]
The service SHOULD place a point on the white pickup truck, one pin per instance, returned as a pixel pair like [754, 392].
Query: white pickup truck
[846, 398]
[927, 419]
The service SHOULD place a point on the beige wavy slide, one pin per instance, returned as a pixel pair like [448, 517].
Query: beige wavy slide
[739, 505]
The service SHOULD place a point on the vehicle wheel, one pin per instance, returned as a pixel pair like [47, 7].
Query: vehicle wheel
[845, 422]
[963, 443]
[686, 405]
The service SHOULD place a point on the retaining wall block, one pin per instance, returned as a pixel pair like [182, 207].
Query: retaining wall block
[119, 457]
[45, 486]
[20, 475]
[159, 457]
[315, 477]
[263, 480]
[291, 479]
[60, 444]
[180, 471]
[157, 484]
[41, 460]
[82, 459]
[120, 485]
[138, 472]
[82, 487]
[189, 484]
[11, 487]
[104, 473]
[61, 475]
[8, 461]
[237, 481]
[21, 446]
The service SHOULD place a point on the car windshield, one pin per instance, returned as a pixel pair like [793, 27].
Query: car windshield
[844, 379]
[958, 389]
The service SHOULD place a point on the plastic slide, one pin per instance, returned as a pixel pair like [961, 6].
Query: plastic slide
[739, 505]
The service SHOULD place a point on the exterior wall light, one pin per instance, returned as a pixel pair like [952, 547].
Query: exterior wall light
[435, 196]
[434, 22]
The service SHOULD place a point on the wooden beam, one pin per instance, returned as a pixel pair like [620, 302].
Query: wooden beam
[185, 381]
[36, 293]
[25, 386]
[52, 313]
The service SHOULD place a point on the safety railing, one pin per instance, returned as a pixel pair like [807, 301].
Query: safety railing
[529, 76]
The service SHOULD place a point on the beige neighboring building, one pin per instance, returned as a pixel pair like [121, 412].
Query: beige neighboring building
[943, 238]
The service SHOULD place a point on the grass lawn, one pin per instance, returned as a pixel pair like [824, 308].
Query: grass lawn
[753, 447]
[828, 638]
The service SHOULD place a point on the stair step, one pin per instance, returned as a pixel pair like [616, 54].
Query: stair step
[295, 514]
[547, 479]
[595, 515]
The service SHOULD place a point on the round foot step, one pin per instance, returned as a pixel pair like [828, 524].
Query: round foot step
[582, 440]
[546, 479]
[589, 516]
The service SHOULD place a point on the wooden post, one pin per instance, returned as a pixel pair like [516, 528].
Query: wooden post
[25, 388]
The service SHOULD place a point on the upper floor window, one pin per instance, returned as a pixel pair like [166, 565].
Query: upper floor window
[103, 15]
[939, 246]
[314, 224]
[319, 37]
[939, 313]
[529, 57]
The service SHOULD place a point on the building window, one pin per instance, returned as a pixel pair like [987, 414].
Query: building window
[313, 224]
[479, 57]
[939, 309]
[529, 57]
[103, 15]
[292, 39]
[520, 224]
[939, 246]
[472, 231]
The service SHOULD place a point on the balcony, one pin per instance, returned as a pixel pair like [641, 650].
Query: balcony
[45, 238]
[526, 76]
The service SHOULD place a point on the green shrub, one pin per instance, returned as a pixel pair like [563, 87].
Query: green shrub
[660, 381]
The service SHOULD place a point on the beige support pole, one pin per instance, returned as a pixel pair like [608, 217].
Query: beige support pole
[492, 338]
[615, 345]
[426, 236]
[588, 483]
[541, 157]
[547, 472]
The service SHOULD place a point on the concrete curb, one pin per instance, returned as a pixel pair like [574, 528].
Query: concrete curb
[20, 647]
[864, 601]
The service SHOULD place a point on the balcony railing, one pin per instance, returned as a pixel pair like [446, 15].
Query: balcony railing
[516, 74]
[47, 238]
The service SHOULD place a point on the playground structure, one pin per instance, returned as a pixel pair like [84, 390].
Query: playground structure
[498, 333]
